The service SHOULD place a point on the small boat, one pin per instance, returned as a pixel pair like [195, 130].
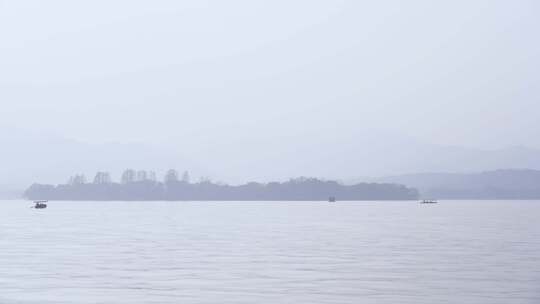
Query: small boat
[40, 204]
[428, 202]
[332, 199]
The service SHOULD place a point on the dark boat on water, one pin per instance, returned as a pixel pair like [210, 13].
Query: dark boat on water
[428, 202]
[40, 204]
[332, 199]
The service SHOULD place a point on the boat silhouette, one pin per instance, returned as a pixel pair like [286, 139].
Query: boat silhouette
[40, 204]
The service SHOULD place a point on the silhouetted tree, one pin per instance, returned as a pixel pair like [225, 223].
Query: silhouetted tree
[142, 176]
[171, 176]
[185, 177]
[78, 179]
[128, 176]
[102, 178]
[152, 176]
[204, 180]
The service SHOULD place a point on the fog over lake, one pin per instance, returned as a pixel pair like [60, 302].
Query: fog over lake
[189, 151]
[257, 90]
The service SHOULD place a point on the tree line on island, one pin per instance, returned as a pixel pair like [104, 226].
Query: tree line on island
[143, 186]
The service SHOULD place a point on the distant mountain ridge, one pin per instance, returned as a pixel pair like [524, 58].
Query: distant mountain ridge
[497, 184]
[28, 157]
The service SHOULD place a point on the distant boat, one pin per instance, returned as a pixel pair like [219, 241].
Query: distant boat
[332, 199]
[40, 204]
[428, 202]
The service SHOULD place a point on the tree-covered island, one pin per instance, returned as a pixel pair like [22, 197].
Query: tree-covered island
[143, 186]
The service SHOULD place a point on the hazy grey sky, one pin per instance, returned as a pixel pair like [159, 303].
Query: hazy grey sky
[200, 73]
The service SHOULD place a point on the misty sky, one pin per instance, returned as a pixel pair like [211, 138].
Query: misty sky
[200, 74]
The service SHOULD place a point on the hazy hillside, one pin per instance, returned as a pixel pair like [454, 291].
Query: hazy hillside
[291, 152]
[27, 158]
[499, 184]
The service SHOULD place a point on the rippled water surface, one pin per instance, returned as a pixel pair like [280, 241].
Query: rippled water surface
[257, 252]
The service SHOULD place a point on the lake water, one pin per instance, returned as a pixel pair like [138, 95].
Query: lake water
[267, 252]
